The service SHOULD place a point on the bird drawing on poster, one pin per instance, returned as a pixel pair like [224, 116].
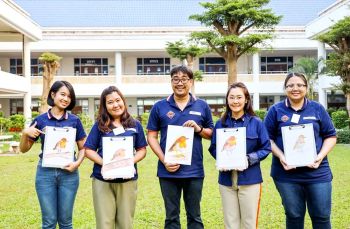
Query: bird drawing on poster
[119, 154]
[300, 143]
[179, 146]
[230, 144]
[61, 145]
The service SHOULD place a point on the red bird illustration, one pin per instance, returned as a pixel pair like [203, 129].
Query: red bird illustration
[61, 145]
[299, 144]
[119, 154]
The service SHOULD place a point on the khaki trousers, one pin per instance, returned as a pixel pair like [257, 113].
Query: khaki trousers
[114, 204]
[240, 204]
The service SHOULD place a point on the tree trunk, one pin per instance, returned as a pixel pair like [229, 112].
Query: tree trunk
[189, 60]
[347, 96]
[48, 76]
[231, 63]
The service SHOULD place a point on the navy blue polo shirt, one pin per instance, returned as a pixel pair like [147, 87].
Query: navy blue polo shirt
[280, 115]
[67, 120]
[257, 145]
[166, 112]
[94, 142]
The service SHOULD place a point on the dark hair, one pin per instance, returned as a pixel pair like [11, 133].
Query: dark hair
[104, 119]
[182, 68]
[297, 74]
[56, 87]
[248, 108]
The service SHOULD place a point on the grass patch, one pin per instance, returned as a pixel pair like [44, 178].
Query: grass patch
[19, 207]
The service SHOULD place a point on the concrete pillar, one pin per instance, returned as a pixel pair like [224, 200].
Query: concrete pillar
[321, 55]
[256, 67]
[27, 101]
[118, 69]
[91, 108]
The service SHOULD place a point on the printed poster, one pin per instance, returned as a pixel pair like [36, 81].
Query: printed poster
[231, 152]
[299, 144]
[179, 145]
[59, 146]
[118, 157]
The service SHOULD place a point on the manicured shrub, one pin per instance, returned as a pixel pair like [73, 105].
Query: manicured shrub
[261, 113]
[16, 123]
[144, 119]
[331, 110]
[35, 114]
[4, 124]
[86, 121]
[340, 119]
[343, 136]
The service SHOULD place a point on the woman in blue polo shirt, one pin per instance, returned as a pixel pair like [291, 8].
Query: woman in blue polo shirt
[56, 188]
[241, 189]
[308, 185]
[114, 199]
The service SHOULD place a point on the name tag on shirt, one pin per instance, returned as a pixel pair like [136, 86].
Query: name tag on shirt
[118, 130]
[131, 129]
[309, 118]
[295, 118]
[195, 113]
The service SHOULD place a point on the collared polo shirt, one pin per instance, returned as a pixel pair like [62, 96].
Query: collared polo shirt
[280, 115]
[257, 143]
[166, 112]
[94, 142]
[67, 120]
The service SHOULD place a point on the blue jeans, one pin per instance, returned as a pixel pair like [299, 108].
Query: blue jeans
[56, 190]
[171, 190]
[317, 198]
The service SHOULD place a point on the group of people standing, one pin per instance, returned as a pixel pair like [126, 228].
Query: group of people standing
[115, 199]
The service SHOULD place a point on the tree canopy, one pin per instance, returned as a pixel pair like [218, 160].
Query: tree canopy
[235, 27]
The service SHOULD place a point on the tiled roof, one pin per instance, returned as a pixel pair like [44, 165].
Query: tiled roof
[148, 13]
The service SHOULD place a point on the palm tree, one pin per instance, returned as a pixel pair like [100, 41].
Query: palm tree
[309, 67]
[51, 64]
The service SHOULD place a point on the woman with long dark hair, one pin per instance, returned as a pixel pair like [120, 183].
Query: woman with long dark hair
[241, 189]
[114, 199]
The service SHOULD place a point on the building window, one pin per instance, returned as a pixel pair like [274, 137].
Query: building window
[275, 64]
[216, 104]
[266, 101]
[90, 66]
[212, 65]
[16, 106]
[16, 67]
[336, 100]
[35, 105]
[153, 66]
[144, 105]
[81, 107]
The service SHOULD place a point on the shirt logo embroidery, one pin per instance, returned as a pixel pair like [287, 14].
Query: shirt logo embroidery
[170, 114]
[284, 118]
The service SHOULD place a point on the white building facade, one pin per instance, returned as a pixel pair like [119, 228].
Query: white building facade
[134, 59]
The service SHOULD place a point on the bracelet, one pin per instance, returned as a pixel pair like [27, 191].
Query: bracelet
[200, 129]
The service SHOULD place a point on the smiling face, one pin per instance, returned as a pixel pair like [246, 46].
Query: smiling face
[236, 101]
[296, 89]
[115, 105]
[61, 98]
[181, 84]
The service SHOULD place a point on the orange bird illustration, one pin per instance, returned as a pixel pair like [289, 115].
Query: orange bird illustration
[61, 144]
[119, 154]
[229, 144]
[299, 144]
[179, 144]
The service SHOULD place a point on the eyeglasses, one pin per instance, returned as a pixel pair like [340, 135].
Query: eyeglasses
[298, 85]
[177, 80]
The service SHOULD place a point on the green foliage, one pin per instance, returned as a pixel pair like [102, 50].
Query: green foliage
[35, 114]
[4, 124]
[1, 114]
[144, 119]
[198, 75]
[343, 136]
[309, 67]
[340, 119]
[49, 57]
[182, 51]
[261, 114]
[331, 110]
[86, 121]
[16, 123]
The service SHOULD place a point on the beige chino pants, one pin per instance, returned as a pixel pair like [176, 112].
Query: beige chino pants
[241, 204]
[114, 204]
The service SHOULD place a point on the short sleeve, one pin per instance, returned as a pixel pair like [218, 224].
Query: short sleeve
[270, 122]
[327, 128]
[80, 131]
[208, 120]
[153, 120]
[140, 141]
[93, 139]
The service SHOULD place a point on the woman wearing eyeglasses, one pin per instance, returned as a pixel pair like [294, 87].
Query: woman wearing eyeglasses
[306, 185]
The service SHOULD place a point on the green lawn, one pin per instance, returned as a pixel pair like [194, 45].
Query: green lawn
[19, 207]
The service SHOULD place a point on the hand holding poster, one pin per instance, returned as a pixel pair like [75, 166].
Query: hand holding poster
[179, 144]
[118, 157]
[231, 149]
[299, 144]
[59, 146]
